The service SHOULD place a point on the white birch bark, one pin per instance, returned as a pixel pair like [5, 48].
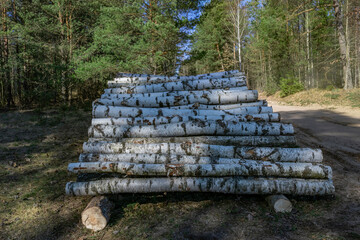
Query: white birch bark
[100, 111]
[145, 158]
[244, 168]
[168, 99]
[265, 117]
[148, 79]
[206, 150]
[185, 85]
[221, 107]
[192, 128]
[234, 185]
[260, 141]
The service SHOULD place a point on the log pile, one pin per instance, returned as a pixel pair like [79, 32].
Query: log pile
[204, 133]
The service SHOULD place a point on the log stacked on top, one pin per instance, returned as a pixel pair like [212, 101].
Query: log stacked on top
[204, 133]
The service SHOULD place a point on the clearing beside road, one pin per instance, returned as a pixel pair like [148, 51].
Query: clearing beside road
[36, 147]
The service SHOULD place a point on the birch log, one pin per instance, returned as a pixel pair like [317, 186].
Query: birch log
[132, 79]
[145, 158]
[97, 213]
[265, 117]
[279, 203]
[220, 107]
[244, 168]
[262, 141]
[169, 99]
[100, 111]
[192, 128]
[220, 83]
[234, 185]
[206, 150]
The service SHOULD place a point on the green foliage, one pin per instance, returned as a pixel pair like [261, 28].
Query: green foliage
[354, 97]
[330, 87]
[212, 43]
[332, 95]
[65, 51]
[271, 88]
[290, 85]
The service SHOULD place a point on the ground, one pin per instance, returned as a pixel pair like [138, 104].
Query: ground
[36, 146]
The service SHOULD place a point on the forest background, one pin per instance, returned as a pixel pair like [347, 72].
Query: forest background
[64, 51]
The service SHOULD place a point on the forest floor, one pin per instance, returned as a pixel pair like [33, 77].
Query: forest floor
[36, 146]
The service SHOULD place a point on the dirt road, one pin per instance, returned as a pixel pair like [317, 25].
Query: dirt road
[337, 132]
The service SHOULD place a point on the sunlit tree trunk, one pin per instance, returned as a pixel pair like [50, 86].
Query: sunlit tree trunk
[344, 45]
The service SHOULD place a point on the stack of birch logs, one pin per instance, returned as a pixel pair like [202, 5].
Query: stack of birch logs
[204, 133]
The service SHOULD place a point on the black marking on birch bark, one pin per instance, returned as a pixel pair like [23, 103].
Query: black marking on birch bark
[224, 126]
[99, 130]
[107, 111]
[183, 125]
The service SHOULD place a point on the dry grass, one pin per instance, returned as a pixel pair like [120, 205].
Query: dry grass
[335, 97]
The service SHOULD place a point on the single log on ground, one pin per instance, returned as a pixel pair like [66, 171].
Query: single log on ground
[279, 203]
[215, 96]
[192, 128]
[97, 213]
[111, 111]
[260, 141]
[243, 168]
[220, 107]
[219, 83]
[265, 117]
[234, 185]
[206, 150]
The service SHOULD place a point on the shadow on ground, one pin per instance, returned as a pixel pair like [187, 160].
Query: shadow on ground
[35, 148]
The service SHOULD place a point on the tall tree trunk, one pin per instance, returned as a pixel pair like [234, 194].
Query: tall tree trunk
[344, 46]
[357, 47]
[220, 57]
[9, 97]
[308, 64]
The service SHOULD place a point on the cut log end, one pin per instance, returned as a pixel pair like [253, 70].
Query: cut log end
[97, 213]
[279, 203]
